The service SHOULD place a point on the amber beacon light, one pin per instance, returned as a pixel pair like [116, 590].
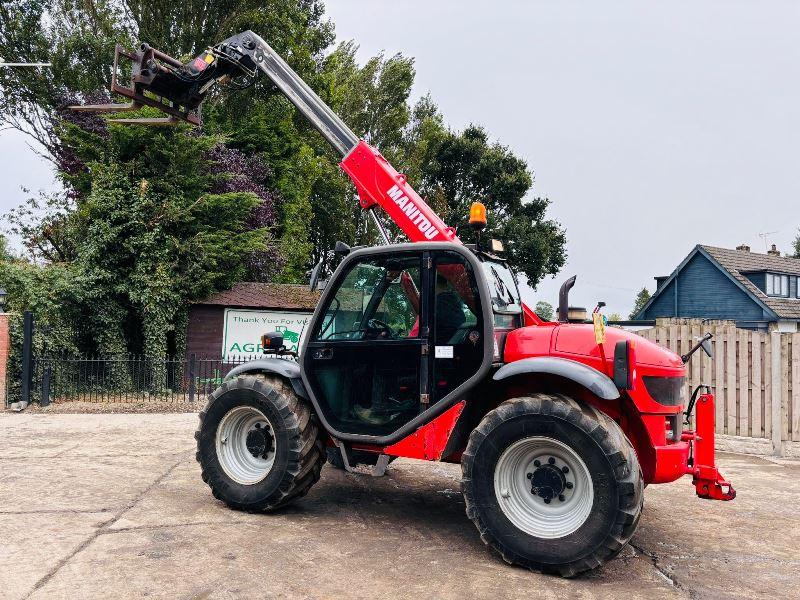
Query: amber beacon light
[477, 216]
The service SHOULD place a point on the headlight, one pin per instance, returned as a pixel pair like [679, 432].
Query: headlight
[669, 391]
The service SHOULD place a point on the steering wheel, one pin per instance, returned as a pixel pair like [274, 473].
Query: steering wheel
[380, 328]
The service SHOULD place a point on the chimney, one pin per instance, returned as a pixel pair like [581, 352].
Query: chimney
[773, 251]
[743, 248]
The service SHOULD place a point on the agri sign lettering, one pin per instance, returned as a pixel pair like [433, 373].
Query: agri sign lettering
[412, 212]
[243, 330]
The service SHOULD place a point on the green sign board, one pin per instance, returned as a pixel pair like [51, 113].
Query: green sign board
[241, 337]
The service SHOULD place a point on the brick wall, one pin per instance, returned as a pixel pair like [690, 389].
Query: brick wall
[4, 352]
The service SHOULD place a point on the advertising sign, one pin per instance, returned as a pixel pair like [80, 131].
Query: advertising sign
[241, 336]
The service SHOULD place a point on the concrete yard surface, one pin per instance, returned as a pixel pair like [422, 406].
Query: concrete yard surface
[112, 506]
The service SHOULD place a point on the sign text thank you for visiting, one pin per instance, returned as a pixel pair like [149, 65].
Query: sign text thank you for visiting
[241, 336]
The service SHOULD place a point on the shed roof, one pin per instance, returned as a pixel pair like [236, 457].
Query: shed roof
[251, 294]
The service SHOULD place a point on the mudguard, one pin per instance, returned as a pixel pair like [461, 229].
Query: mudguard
[593, 380]
[288, 369]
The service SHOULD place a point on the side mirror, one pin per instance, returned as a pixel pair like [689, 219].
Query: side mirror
[706, 345]
[314, 275]
[313, 278]
[341, 248]
[272, 341]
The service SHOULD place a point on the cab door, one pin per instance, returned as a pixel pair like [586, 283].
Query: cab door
[366, 359]
[457, 324]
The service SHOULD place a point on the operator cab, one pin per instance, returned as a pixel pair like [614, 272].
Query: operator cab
[402, 330]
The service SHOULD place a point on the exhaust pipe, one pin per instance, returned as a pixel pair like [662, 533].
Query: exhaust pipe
[563, 299]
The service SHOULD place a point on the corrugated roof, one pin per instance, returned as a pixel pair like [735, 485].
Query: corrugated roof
[738, 262]
[251, 294]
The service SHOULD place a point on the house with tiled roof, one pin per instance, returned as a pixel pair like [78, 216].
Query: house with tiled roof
[757, 291]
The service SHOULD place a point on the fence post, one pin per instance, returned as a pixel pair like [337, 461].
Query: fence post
[27, 357]
[192, 369]
[777, 400]
[5, 350]
[45, 398]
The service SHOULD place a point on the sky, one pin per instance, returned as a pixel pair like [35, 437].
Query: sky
[651, 126]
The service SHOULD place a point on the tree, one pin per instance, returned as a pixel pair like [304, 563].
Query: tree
[150, 220]
[164, 218]
[465, 167]
[641, 299]
[79, 39]
[796, 245]
[5, 252]
[450, 169]
[544, 310]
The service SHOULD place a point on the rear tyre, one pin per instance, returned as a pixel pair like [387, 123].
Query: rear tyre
[258, 444]
[551, 484]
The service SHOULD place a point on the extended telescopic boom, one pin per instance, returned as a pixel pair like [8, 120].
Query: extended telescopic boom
[177, 89]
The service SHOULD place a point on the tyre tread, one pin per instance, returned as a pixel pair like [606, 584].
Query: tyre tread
[614, 444]
[306, 448]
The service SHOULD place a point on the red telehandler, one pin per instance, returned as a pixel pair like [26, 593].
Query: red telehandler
[425, 350]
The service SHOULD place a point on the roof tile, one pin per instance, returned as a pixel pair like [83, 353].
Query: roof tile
[251, 294]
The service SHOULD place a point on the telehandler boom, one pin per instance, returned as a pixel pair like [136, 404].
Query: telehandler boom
[425, 350]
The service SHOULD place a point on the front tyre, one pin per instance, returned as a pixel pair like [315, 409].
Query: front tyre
[551, 484]
[258, 444]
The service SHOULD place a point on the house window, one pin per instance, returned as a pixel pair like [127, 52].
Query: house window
[777, 285]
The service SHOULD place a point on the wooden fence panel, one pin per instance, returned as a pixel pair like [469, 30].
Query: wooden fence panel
[757, 392]
[743, 397]
[785, 370]
[740, 375]
[719, 378]
[730, 391]
[767, 387]
[795, 385]
[696, 364]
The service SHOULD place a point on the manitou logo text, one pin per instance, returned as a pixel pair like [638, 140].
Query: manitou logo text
[412, 212]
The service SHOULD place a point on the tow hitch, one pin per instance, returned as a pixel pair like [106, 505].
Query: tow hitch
[708, 481]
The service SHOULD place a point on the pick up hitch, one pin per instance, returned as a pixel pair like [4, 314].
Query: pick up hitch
[177, 89]
[157, 80]
[706, 478]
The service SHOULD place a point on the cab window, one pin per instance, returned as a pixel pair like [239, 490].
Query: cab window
[378, 300]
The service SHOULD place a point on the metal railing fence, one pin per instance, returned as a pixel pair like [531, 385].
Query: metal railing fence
[124, 378]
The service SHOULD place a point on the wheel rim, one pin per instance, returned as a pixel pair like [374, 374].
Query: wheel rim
[245, 445]
[537, 494]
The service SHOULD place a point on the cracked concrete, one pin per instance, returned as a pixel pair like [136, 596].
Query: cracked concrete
[98, 505]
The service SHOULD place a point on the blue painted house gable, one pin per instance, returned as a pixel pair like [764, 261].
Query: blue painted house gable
[718, 283]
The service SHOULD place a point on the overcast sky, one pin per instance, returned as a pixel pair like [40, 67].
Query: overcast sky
[651, 126]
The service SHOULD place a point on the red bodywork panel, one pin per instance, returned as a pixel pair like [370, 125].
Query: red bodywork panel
[642, 418]
[428, 442]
